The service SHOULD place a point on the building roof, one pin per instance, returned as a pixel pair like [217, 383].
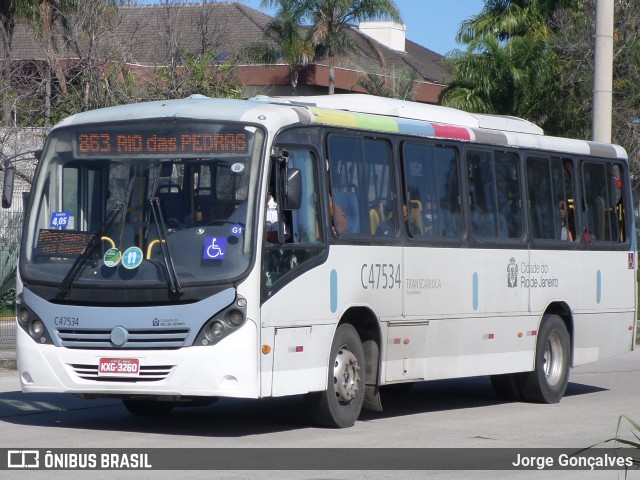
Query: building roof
[154, 35]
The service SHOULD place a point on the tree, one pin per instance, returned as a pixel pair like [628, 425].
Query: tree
[573, 41]
[509, 66]
[199, 73]
[399, 84]
[331, 20]
[296, 50]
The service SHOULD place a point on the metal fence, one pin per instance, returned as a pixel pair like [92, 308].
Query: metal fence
[12, 142]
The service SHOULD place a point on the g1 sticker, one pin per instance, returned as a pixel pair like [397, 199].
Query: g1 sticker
[214, 248]
[60, 219]
[236, 230]
[112, 257]
[132, 258]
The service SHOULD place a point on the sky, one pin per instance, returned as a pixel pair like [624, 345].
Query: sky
[430, 23]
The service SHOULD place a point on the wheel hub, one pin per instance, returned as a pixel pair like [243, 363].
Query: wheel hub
[345, 375]
[553, 355]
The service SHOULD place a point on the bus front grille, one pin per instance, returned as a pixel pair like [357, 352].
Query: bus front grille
[135, 339]
[147, 373]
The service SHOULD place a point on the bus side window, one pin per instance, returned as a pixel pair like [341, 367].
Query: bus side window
[432, 191]
[603, 214]
[302, 239]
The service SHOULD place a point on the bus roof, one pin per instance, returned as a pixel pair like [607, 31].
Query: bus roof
[354, 111]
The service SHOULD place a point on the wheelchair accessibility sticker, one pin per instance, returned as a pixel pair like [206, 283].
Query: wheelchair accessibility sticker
[214, 248]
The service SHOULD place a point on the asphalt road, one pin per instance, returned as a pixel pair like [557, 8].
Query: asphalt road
[452, 414]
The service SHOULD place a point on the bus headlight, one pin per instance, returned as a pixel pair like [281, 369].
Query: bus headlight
[36, 328]
[235, 317]
[222, 324]
[31, 324]
[215, 331]
[24, 314]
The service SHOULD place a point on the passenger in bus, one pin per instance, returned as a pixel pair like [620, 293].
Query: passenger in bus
[339, 220]
[388, 227]
[565, 231]
[272, 221]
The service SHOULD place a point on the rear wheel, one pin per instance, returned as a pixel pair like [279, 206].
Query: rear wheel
[147, 408]
[340, 404]
[548, 382]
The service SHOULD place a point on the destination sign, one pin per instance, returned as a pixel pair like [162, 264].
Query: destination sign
[128, 141]
[61, 243]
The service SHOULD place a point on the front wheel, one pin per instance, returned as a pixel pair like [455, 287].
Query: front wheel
[340, 404]
[548, 381]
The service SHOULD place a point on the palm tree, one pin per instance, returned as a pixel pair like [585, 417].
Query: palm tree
[331, 19]
[296, 50]
[509, 66]
[399, 84]
[505, 19]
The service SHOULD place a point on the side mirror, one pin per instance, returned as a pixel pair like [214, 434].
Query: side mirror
[293, 189]
[7, 186]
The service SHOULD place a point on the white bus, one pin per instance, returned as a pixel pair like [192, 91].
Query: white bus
[179, 251]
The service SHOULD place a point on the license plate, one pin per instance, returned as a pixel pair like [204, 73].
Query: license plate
[119, 367]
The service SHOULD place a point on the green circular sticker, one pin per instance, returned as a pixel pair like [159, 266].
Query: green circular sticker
[112, 257]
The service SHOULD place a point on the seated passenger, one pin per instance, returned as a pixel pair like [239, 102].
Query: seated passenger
[339, 220]
[388, 227]
[565, 231]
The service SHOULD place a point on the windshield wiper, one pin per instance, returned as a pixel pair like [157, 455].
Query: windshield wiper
[89, 250]
[172, 276]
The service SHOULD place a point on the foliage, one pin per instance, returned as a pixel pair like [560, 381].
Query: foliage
[534, 59]
[620, 442]
[331, 19]
[400, 84]
[197, 74]
[509, 66]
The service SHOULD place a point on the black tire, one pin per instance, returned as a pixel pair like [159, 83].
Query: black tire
[548, 382]
[147, 408]
[507, 386]
[339, 406]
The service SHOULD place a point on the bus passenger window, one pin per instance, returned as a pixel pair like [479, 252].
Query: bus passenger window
[361, 186]
[433, 192]
[603, 216]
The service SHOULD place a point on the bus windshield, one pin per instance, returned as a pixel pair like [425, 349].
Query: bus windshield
[150, 204]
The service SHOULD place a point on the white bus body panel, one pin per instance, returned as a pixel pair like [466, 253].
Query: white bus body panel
[458, 313]
[227, 369]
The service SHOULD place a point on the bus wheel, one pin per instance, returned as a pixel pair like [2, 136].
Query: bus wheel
[147, 408]
[548, 381]
[340, 404]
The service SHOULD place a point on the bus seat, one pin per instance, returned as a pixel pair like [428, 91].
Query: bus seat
[415, 219]
[415, 216]
[374, 220]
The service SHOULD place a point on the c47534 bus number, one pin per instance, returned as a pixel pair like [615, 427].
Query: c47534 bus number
[380, 276]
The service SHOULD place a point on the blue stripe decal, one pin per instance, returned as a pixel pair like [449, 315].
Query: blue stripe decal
[415, 127]
[333, 288]
[475, 291]
[599, 286]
